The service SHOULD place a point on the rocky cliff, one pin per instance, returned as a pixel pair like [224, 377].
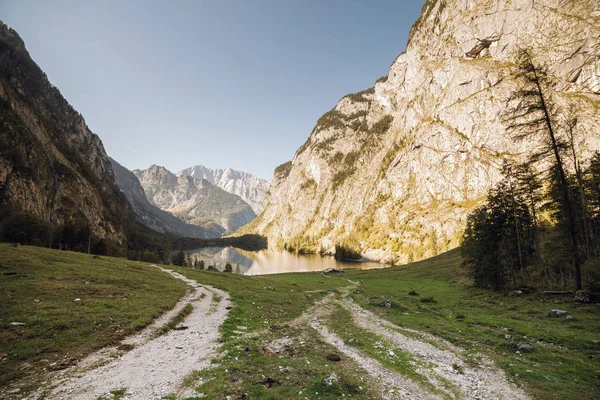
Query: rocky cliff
[51, 164]
[250, 188]
[399, 166]
[153, 217]
[195, 201]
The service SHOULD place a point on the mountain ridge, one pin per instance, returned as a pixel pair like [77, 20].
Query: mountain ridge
[250, 188]
[152, 216]
[399, 166]
[195, 201]
[51, 164]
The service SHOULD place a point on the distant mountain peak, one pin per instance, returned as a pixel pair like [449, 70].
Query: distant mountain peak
[250, 188]
[194, 200]
[152, 216]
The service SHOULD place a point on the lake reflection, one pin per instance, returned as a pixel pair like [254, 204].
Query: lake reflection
[271, 262]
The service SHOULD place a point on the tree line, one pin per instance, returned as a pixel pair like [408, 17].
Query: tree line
[541, 222]
[75, 234]
[182, 259]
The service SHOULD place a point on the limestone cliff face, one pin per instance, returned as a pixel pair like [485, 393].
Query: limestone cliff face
[51, 164]
[195, 201]
[399, 166]
[250, 188]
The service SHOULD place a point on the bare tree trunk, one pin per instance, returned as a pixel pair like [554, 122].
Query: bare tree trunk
[516, 222]
[588, 235]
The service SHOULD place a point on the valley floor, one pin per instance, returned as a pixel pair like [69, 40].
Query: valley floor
[414, 332]
[155, 361]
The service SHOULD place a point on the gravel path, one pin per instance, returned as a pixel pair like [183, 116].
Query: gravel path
[155, 368]
[484, 382]
[394, 385]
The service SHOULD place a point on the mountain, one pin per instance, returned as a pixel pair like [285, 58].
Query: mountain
[51, 165]
[197, 202]
[250, 188]
[399, 166]
[153, 217]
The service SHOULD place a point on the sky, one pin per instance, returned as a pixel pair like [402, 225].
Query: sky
[222, 83]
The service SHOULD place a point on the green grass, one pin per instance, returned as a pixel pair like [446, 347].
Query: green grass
[123, 296]
[569, 368]
[263, 308]
[114, 395]
[176, 320]
[379, 349]
[263, 301]
[38, 287]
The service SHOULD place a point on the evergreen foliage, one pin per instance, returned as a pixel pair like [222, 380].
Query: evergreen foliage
[228, 268]
[179, 258]
[349, 249]
[507, 244]
[499, 238]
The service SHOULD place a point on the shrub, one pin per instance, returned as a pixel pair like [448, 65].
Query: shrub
[228, 268]
[347, 251]
[26, 229]
[380, 127]
[360, 96]
[283, 170]
[331, 119]
[179, 258]
[428, 299]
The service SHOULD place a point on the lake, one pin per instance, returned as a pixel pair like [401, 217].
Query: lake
[266, 262]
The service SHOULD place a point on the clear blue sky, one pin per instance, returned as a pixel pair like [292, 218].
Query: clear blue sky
[221, 83]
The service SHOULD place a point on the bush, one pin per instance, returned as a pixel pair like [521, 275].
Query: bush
[331, 119]
[283, 170]
[26, 229]
[428, 299]
[347, 252]
[228, 268]
[360, 96]
[380, 127]
[179, 258]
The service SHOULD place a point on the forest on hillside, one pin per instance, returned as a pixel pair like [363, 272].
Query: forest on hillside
[541, 224]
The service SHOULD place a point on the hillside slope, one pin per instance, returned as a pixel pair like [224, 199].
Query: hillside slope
[399, 166]
[197, 202]
[51, 164]
[153, 217]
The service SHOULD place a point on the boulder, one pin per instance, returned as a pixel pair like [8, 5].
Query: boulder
[556, 313]
[524, 347]
[332, 271]
[331, 379]
[385, 304]
[582, 296]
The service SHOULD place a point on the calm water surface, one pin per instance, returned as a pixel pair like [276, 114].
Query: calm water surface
[271, 262]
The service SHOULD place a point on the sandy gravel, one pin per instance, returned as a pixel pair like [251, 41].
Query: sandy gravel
[483, 382]
[155, 367]
[393, 385]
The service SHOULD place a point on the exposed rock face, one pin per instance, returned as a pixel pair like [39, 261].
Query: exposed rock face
[153, 217]
[197, 202]
[51, 164]
[250, 188]
[400, 165]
